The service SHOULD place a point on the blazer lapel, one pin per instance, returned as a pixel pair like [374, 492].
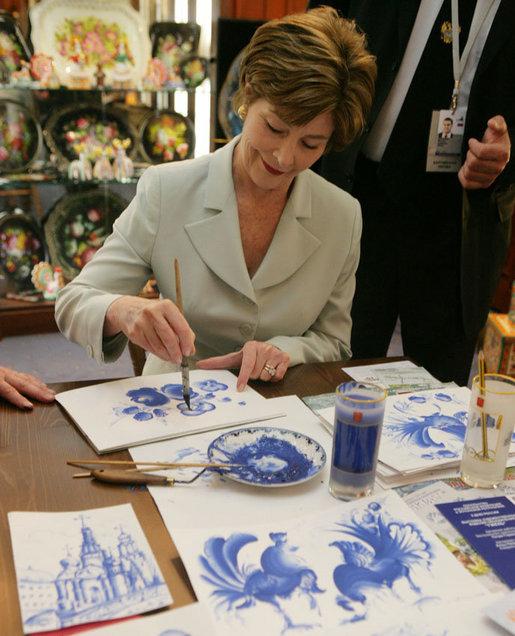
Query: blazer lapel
[220, 227]
[292, 244]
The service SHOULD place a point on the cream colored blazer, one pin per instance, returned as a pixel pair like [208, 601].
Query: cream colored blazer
[299, 299]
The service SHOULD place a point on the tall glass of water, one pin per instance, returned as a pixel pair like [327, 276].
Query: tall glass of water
[491, 419]
[358, 422]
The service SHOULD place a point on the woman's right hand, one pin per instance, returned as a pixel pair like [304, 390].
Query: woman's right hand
[156, 325]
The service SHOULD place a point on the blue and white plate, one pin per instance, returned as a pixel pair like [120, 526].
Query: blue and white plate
[269, 456]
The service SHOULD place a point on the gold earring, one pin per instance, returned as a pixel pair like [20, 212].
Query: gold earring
[242, 112]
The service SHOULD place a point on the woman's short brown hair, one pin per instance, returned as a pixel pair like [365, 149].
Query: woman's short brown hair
[310, 63]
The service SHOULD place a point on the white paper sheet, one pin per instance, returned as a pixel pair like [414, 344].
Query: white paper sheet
[142, 409]
[353, 564]
[216, 501]
[83, 566]
[192, 620]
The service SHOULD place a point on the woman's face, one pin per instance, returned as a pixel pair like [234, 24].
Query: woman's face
[271, 153]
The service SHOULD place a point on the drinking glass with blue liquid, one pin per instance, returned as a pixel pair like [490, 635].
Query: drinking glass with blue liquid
[358, 421]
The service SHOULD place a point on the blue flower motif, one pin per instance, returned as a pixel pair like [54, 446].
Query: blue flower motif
[197, 408]
[211, 385]
[148, 396]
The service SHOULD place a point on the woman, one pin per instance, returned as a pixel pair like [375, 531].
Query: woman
[14, 386]
[267, 248]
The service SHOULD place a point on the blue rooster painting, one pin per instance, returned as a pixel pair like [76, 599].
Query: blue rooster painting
[282, 573]
[431, 426]
[382, 554]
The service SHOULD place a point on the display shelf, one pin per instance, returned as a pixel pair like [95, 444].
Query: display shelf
[21, 318]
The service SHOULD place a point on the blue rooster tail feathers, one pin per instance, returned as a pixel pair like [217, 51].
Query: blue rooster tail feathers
[220, 563]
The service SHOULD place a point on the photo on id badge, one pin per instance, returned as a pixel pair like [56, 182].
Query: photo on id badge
[445, 140]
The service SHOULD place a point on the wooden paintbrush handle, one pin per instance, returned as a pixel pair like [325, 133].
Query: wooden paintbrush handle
[118, 476]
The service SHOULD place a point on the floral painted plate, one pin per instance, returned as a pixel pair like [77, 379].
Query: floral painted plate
[20, 136]
[231, 124]
[91, 127]
[98, 28]
[269, 456]
[21, 246]
[78, 226]
[193, 71]
[166, 136]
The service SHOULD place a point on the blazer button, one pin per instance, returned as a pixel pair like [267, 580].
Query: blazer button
[89, 349]
[245, 329]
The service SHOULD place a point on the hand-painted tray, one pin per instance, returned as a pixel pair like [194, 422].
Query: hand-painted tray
[13, 47]
[21, 246]
[99, 26]
[166, 136]
[78, 226]
[20, 136]
[172, 42]
[270, 456]
[91, 126]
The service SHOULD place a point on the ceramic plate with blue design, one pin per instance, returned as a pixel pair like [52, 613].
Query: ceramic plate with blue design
[268, 456]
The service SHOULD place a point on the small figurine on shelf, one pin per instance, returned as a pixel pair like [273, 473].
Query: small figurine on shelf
[40, 68]
[47, 280]
[123, 167]
[122, 72]
[80, 169]
[78, 76]
[103, 170]
[53, 79]
[23, 76]
[100, 76]
[157, 75]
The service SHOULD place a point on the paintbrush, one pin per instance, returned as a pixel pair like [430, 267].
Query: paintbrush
[185, 371]
[484, 435]
[80, 463]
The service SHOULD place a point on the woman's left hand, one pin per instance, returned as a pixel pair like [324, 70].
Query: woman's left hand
[256, 360]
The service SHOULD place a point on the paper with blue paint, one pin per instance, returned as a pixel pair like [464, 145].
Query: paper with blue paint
[489, 526]
[359, 562]
[425, 429]
[82, 567]
[192, 620]
[138, 410]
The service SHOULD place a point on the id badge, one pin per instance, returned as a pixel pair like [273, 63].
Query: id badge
[445, 140]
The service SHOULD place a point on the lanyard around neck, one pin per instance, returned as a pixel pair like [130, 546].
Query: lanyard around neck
[458, 63]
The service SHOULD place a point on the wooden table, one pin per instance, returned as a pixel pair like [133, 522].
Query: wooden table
[34, 447]
[20, 318]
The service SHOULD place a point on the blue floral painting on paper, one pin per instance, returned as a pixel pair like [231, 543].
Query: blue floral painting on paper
[432, 426]
[151, 403]
[95, 584]
[239, 586]
[376, 552]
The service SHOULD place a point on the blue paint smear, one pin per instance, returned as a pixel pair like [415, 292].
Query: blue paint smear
[417, 399]
[148, 396]
[281, 573]
[198, 407]
[268, 461]
[384, 552]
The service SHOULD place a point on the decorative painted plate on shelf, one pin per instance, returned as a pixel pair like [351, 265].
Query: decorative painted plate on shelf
[166, 136]
[21, 246]
[173, 42]
[20, 136]
[229, 121]
[268, 456]
[193, 71]
[13, 47]
[90, 127]
[94, 28]
[78, 226]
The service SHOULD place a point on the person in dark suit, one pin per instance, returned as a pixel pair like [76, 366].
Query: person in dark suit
[433, 243]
